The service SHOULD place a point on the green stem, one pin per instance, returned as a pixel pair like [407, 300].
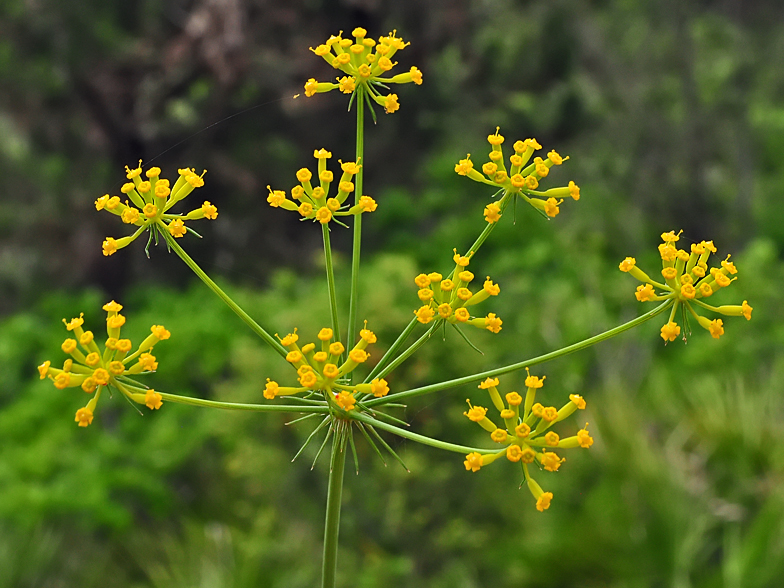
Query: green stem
[523, 364]
[237, 406]
[255, 327]
[392, 350]
[355, 251]
[333, 301]
[363, 418]
[332, 522]
[505, 200]
[408, 352]
[380, 370]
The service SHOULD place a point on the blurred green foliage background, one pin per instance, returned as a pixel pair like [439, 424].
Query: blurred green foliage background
[673, 114]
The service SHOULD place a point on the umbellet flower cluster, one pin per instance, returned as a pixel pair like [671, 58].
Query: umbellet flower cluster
[525, 433]
[522, 178]
[449, 299]
[93, 369]
[365, 63]
[688, 282]
[314, 202]
[150, 201]
[319, 368]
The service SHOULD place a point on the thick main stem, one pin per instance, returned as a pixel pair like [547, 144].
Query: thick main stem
[255, 327]
[357, 243]
[334, 497]
[333, 302]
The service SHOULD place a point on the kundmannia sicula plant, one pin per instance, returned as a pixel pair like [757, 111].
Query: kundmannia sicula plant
[327, 383]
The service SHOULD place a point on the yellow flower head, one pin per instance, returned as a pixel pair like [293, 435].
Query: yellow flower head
[688, 282]
[526, 434]
[321, 371]
[520, 178]
[366, 64]
[450, 299]
[148, 203]
[315, 202]
[92, 368]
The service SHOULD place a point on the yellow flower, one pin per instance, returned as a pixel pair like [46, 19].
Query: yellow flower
[365, 63]
[473, 461]
[521, 178]
[93, 369]
[345, 400]
[321, 371]
[525, 432]
[687, 283]
[448, 300]
[148, 202]
[315, 202]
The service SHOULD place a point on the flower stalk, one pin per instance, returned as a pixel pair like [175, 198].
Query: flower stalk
[446, 385]
[337, 468]
[244, 316]
[357, 238]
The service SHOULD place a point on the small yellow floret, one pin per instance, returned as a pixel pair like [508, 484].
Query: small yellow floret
[670, 331]
[746, 310]
[669, 273]
[488, 383]
[644, 293]
[493, 323]
[514, 399]
[347, 84]
[153, 400]
[584, 438]
[84, 416]
[475, 413]
[551, 206]
[464, 166]
[424, 314]
[495, 139]
[578, 400]
[210, 210]
[358, 355]
[379, 387]
[551, 461]
[62, 380]
[473, 462]
[715, 328]
[574, 191]
[345, 400]
[367, 204]
[543, 502]
[534, 381]
[177, 228]
[514, 453]
[390, 104]
[627, 264]
[492, 212]
[271, 389]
